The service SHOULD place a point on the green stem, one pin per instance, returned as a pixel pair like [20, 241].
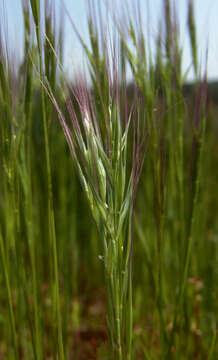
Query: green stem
[190, 241]
[52, 233]
[10, 306]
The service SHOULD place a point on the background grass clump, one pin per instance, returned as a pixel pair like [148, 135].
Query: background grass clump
[90, 267]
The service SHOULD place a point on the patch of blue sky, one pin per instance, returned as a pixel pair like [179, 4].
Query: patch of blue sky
[205, 14]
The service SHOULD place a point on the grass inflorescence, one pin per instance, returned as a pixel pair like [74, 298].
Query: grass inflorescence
[108, 191]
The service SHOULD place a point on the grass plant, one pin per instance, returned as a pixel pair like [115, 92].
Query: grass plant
[90, 267]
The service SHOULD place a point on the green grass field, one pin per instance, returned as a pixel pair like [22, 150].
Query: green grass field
[108, 194]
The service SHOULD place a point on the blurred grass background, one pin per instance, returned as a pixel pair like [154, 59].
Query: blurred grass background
[52, 298]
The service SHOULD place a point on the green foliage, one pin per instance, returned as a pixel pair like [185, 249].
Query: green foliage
[148, 262]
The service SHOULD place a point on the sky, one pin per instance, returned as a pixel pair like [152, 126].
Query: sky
[206, 20]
